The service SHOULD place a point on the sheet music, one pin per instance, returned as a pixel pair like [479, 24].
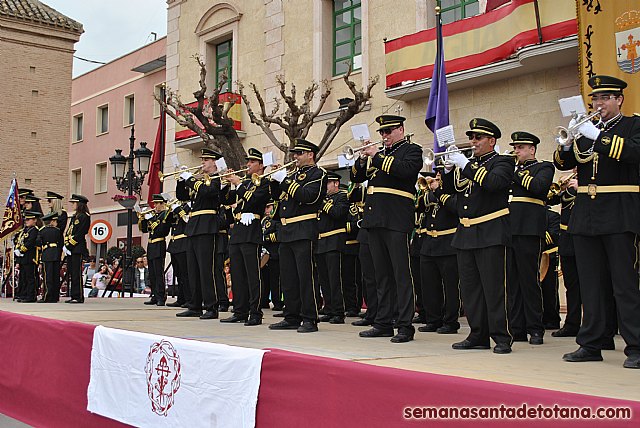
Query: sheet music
[343, 162]
[360, 132]
[222, 165]
[572, 105]
[267, 159]
[175, 161]
[445, 136]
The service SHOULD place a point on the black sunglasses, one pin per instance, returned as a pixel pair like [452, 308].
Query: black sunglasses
[387, 130]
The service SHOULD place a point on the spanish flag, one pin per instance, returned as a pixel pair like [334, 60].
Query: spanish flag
[609, 34]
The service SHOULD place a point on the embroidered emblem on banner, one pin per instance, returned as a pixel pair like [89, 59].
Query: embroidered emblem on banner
[163, 376]
[628, 41]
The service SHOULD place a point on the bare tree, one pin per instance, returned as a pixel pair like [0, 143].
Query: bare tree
[209, 120]
[296, 120]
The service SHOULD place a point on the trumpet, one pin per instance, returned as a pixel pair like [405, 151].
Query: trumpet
[430, 156]
[227, 174]
[145, 212]
[424, 183]
[257, 178]
[556, 187]
[163, 175]
[350, 153]
[511, 153]
[566, 136]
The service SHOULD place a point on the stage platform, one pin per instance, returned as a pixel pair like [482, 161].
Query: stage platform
[533, 366]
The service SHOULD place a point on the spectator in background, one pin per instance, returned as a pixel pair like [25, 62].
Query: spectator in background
[141, 277]
[99, 281]
[89, 271]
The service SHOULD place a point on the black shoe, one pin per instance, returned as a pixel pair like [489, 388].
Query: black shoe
[608, 345]
[32, 301]
[253, 321]
[447, 329]
[419, 319]
[151, 302]
[67, 301]
[467, 344]
[565, 332]
[429, 328]
[209, 315]
[352, 314]
[175, 304]
[189, 314]
[536, 339]
[280, 315]
[502, 348]
[41, 301]
[223, 308]
[582, 355]
[308, 327]
[234, 318]
[632, 362]
[159, 303]
[552, 326]
[184, 305]
[321, 311]
[402, 337]
[325, 318]
[375, 332]
[362, 323]
[284, 325]
[336, 320]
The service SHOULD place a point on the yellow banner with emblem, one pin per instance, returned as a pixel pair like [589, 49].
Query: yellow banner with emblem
[609, 33]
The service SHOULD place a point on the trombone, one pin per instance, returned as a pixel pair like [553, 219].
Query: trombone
[566, 136]
[556, 187]
[430, 156]
[257, 178]
[164, 176]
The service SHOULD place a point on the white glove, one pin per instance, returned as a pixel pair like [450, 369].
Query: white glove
[572, 123]
[589, 130]
[17, 253]
[246, 218]
[66, 250]
[458, 159]
[175, 206]
[148, 216]
[185, 175]
[279, 176]
[186, 218]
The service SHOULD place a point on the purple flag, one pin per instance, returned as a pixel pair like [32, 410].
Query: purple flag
[438, 106]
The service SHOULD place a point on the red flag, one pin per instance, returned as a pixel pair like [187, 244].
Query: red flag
[12, 219]
[155, 186]
[493, 4]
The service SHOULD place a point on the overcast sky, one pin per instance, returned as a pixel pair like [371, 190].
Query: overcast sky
[112, 28]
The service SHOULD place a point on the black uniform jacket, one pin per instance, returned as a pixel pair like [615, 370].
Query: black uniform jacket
[63, 218]
[440, 220]
[481, 192]
[75, 238]
[270, 231]
[529, 190]
[178, 242]
[250, 199]
[50, 241]
[28, 246]
[392, 175]
[618, 148]
[567, 198]
[416, 240]
[158, 227]
[332, 220]
[552, 235]
[301, 198]
[205, 202]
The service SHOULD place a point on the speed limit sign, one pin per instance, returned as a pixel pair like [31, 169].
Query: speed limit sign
[100, 231]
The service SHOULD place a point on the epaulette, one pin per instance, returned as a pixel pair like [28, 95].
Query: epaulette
[322, 169]
[419, 145]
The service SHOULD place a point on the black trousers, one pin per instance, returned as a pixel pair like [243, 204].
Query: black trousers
[390, 253]
[200, 252]
[523, 286]
[245, 279]
[298, 281]
[51, 281]
[550, 297]
[417, 278]
[274, 283]
[483, 285]
[349, 286]
[74, 266]
[219, 279]
[440, 289]
[330, 273]
[369, 282]
[156, 275]
[572, 285]
[181, 271]
[605, 260]
[29, 272]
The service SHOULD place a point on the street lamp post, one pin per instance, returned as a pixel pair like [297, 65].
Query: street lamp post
[130, 181]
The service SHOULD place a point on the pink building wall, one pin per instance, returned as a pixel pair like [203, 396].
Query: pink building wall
[110, 84]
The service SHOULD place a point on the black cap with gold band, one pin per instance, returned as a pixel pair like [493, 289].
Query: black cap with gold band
[609, 84]
[208, 153]
[304, 146]
[332, 176]
[24, 192]
[389, 121]
[31, 214]
[53, 195]
[254, 154]
[50, 216]
[522, 137]
[483, 126]
[78, 198]
[157, 197]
